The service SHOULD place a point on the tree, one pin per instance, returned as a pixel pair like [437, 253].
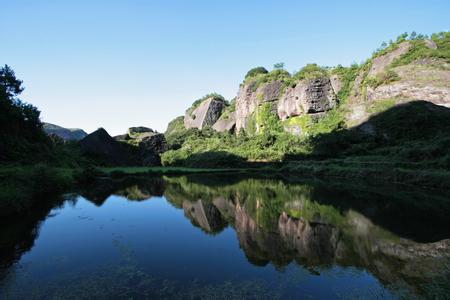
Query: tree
[17, 118]
[279, 66]
[413, 35]
[256, 71]
[10, 86]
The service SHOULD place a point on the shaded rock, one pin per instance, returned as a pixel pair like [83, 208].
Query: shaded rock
[151, 146]
[122, 137]
[310, 96]
[226, 124]
[147, 143]
[101, 146]
[207, 113]
[67, 134]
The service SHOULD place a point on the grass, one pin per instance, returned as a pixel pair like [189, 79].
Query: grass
[160, 170]
[22, 186]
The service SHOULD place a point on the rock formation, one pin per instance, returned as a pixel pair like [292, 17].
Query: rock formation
[150, 144]
[103, 147]
[205, 114]
[250, 97]
[307, 97]
[226, 123]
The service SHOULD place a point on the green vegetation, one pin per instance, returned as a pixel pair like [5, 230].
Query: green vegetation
[383, 78]
[381, 105]
[420, 50]
[31, 163]
[214, 96]
[262, 78]
[117, 171]
[310, 71]
[22, 186]
[256, 71]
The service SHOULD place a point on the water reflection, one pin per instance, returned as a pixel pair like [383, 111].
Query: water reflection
[399, 235]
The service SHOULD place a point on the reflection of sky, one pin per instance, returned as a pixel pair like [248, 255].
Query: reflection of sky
[162, 242]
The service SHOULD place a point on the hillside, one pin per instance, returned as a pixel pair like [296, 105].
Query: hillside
[67, 134]
[394, 107]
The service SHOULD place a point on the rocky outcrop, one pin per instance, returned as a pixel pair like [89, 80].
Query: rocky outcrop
[307, 97]
[226, 123]
[336, 83]
[151, 146]
[422, 80]
[138, 130]
[205, 114]
[149, 143]
[380, 63]
[250, 96]
[67, 134]
[101, 146]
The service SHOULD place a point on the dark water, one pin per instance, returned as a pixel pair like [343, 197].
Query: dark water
[229, 237]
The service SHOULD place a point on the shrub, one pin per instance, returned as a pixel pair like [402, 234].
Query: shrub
[256, 71]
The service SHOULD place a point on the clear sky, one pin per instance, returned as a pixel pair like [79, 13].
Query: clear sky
[116, 64]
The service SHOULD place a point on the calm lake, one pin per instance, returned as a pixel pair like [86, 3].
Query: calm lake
[214, 237]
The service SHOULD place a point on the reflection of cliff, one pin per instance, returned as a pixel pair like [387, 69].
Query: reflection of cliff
[277, 223]
[204, 215]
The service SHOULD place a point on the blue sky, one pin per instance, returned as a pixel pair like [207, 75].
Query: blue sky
[116, 64]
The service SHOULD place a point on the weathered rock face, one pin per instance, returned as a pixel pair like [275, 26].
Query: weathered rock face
[207, 113]
[249, 98]
[381, 62]
[425, 79]
[311, 96]
[336, 83]
[226, 124]
[421, 80]
[67, 134]
[102, 146]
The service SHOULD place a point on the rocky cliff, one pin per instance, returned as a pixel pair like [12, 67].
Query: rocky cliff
[409, 69]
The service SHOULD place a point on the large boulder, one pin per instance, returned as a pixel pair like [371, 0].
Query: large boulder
[205, 114]
[67, 134]
[226, 123]
[102, 147]
[307, 97]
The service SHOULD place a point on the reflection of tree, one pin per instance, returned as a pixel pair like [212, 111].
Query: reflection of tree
[135, 189]
[18, 232]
